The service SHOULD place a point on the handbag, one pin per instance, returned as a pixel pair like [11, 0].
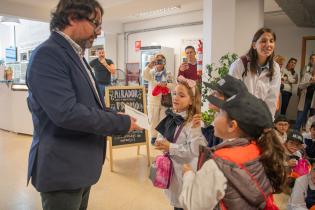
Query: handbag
[302, 167]
[161, 169]
[166, 100]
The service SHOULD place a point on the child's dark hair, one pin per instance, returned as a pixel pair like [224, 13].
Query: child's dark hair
[273, 159]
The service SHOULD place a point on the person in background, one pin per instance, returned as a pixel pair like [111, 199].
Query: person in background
[280, 60]
[281, 127]
[289, 78]
[223, 89]
[69, 115]
[308, 67]
[293, 145]
[309, 141]
[247, 168]
[307, 98]
[188, 68]
[103, 69]
[157, 75]
[258, 70]
[184, 149]
[303, 192]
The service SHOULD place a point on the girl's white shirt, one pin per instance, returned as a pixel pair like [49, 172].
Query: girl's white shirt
[299, 192]
[185, 150]
[260, 85]
[202, 190]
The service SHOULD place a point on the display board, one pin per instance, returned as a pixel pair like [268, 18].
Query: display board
[135, 97]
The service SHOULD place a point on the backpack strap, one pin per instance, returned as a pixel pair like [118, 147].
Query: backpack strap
[245, 62]
[178, 132]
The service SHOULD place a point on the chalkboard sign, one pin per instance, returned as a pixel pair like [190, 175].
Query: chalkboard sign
[133, 96]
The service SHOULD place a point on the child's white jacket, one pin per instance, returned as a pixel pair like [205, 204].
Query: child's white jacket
[185, 150]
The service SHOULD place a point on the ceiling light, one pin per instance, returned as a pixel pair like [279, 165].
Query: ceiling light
[162, 11]
[10, 20]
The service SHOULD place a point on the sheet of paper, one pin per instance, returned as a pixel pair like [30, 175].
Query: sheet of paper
[142, 119]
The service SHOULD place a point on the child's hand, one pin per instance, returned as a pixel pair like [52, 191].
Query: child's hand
[186, 168]
[196, 121]
[292, 162]
[163, 145]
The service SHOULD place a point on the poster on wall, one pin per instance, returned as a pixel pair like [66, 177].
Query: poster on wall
[10, 55]
[137, 45]
[133, 73]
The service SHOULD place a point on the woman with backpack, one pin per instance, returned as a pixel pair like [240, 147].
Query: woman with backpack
[258, 70]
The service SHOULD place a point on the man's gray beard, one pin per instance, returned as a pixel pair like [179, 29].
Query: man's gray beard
[85, 44]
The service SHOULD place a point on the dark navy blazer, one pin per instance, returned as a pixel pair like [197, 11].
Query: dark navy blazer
[70, 124]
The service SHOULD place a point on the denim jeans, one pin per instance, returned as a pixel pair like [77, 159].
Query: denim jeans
[102, 89]
[302, 115]
[66, 199]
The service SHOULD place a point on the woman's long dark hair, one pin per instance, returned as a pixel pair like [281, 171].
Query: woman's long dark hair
[253, 56]
[273, 159]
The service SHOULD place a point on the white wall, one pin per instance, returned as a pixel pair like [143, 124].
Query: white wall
[6, 39]
[289, 44]
[29, 34]
[168, 38]
[171, 37]
[249, 18]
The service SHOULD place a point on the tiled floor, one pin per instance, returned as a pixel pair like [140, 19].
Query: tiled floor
[128, 188]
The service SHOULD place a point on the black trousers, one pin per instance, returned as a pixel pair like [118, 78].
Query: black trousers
[178, 208]
[66, 199]
[285, 99]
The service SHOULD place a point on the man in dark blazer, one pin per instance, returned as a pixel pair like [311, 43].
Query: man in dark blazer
[69, 115]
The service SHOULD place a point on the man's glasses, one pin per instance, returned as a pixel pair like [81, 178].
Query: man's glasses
[96, 23]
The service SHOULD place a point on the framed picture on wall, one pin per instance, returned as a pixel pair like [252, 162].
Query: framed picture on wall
[133, 73]
[23, 56]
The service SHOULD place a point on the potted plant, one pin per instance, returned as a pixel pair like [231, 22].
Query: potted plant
[214, 74]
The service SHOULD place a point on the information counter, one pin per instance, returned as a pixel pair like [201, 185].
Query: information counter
[14, 113]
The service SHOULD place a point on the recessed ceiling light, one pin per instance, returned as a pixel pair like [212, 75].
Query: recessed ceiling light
[162, 11]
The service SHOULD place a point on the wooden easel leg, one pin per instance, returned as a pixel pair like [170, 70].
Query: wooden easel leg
[110, 155]
[148, 152]
[138, 150]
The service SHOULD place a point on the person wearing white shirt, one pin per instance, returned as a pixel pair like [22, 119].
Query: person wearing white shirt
[303, 193]
[258, 71]
[289, 78]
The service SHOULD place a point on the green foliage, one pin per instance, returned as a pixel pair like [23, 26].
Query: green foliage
[214, 74]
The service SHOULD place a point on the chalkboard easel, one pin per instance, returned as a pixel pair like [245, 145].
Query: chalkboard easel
[133, 96]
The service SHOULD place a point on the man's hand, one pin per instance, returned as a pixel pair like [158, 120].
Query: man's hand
[186, 168]
[151, 64]
[196, 121]
[163, 145]
[184, 67]
[133, 125]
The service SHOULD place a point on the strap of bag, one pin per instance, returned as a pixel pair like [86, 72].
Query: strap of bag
[178, 132]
